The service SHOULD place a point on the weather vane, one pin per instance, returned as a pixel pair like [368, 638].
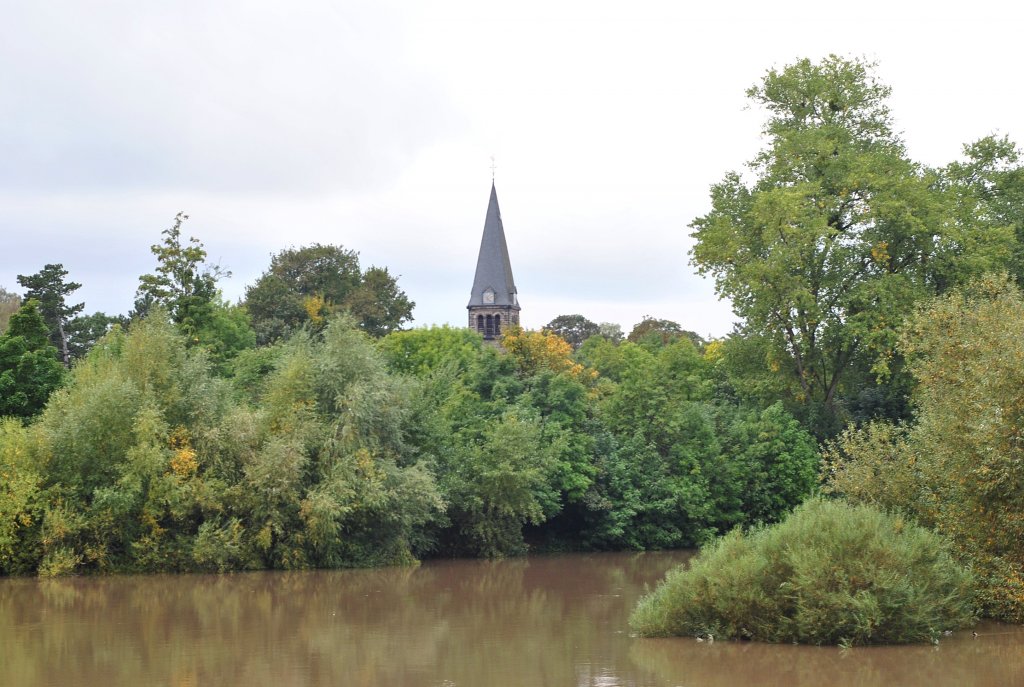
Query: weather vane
[493, 167]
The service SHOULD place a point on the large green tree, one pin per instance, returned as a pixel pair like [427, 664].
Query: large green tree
[653, 332]
[85, 330]
[836, 234]
[611, 331]
[575, 329]
[423, 350]
[378, 305]
[29, 368]
[986, 188]
[71, 332]
[184, 285]
[306, 285]
[50, 288]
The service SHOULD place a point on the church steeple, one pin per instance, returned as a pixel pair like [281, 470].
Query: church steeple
[493, 302]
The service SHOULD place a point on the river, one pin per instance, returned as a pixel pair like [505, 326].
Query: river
[554, 621]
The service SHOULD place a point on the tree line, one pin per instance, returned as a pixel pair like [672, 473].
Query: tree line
[306, 426]
[330, 448]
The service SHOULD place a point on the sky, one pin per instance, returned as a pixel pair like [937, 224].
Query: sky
[372, 125]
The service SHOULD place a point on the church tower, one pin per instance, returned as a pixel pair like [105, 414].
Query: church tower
[493, 304]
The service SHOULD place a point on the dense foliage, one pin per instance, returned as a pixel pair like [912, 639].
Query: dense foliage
[837, 237]
[653, 331]
[330, 450]
[71, 333]
[831, 573]
[958, 467]
[839, 254]
[29, 369]
[49, 289]
[145, 461]
[588, 470]
[304, 286]
[183, 283]
[574, 329]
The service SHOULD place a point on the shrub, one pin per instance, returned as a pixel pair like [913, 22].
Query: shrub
[831, 573]
[959, 467]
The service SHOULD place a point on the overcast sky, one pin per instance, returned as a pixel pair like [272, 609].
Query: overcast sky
[371, 125]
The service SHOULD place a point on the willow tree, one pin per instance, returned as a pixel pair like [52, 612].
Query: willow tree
[833, 238]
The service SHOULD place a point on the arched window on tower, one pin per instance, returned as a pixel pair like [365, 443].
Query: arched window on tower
[480, 323]
[497, 325]
[489, 327]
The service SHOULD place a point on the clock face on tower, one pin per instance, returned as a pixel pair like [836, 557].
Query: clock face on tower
[489, 297]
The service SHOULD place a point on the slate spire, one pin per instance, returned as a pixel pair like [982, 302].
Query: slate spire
[493, 298]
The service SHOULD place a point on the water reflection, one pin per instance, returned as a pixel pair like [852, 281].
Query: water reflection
[551, 620]
[995, 658]
[544, 621]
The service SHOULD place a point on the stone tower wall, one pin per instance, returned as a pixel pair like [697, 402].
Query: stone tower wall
[507, 314]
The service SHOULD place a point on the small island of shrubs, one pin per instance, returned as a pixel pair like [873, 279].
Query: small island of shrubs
[831, 573]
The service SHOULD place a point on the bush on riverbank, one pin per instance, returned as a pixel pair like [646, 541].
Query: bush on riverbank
[831, 573]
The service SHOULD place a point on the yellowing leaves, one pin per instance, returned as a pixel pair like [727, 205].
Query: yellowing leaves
[316, 308]
[880, 253]
[184, 462]
[536, 351]
[714, 351]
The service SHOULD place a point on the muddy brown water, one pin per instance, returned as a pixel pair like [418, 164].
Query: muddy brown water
[547, 620]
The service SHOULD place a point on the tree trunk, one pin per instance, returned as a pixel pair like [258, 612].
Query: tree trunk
[65, 354]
